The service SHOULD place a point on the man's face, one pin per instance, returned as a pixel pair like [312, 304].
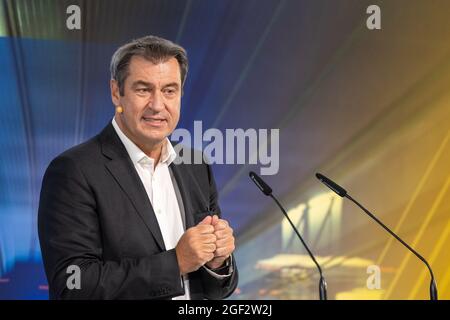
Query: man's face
[151, 100]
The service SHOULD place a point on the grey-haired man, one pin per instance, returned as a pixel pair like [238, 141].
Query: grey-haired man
[136, 224]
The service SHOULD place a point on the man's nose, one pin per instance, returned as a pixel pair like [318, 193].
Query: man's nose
[157, 102]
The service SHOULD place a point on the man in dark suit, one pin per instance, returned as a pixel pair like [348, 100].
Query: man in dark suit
[121, 211]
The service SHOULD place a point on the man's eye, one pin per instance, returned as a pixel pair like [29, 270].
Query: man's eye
[141, 90]
[170, 91]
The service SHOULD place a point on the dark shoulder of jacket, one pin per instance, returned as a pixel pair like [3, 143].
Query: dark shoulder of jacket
[82, 154]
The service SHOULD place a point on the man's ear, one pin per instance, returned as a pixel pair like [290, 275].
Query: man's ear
[115, 92]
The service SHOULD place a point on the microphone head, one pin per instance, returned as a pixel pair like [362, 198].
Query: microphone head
[319, 176]
[332, 185]
[260, 183]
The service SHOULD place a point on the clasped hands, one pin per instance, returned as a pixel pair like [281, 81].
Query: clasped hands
[209, 243]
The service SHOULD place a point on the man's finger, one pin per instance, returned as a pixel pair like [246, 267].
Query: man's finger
[221, 224]
[215, 219]
[205, 228]
[224, 242]
[209, 247]
[208, 238]
[206, 220]
[221, 234]
[224, 251]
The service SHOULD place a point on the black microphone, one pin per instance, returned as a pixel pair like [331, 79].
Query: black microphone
[343, 193]
[268, 192]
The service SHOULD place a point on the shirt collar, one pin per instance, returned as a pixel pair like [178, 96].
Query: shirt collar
[168, 153]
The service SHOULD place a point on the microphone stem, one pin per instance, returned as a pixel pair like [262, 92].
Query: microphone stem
[322, 284]
[433, 287]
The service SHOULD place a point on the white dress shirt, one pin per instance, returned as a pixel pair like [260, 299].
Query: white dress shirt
[160, 190]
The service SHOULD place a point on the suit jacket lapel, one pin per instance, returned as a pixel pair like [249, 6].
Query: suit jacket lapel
[194, 200]
[122, 169]
[182, 182]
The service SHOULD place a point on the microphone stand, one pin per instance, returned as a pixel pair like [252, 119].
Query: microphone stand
[322, 282]
[266, 190]
[343, 193]
[433, 287]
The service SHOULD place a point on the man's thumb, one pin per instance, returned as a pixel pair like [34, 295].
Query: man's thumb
[206, 220]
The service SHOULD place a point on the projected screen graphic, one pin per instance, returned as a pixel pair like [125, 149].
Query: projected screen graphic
[358, 90]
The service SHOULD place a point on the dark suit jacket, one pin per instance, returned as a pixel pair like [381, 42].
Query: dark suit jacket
[94, 213]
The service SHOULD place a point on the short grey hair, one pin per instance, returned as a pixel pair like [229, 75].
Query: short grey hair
[152, 48]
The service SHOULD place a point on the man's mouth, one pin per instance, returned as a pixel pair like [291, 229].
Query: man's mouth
[154, 121]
